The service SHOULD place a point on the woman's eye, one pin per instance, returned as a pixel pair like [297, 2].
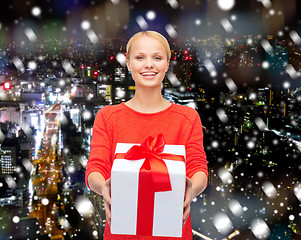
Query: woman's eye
[139, 57]
[158, 58]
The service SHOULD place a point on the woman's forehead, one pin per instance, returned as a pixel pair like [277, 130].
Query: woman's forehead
[148, 44]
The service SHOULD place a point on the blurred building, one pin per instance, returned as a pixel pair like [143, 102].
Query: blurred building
[188, 98]
[9, 149]
[21, 114]
[10, 114]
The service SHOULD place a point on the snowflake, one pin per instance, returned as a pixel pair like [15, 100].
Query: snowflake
[36, 11]
[222, 223]
[260, 229]
[226, 5]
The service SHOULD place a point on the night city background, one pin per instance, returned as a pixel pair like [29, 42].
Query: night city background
[236, 62]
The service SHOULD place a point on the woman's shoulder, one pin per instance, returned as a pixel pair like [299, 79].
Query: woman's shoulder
[109, 110]
[185, 110]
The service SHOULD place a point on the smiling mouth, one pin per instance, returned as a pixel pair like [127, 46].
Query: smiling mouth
[149, 74]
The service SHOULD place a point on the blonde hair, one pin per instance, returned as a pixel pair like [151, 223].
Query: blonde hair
[151, 34]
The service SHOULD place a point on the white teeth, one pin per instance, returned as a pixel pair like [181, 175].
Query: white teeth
[148, 74]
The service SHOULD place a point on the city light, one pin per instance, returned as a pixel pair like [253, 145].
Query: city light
[6, 85]
[95, 74]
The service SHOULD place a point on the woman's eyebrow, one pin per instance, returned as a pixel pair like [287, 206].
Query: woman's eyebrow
[156, 53]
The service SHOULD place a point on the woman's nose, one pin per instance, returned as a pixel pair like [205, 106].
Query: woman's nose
[149, 63]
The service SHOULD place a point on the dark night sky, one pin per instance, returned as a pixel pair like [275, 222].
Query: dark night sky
[250, 14]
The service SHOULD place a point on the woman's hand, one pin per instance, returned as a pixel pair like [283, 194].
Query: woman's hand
[187, 200]
[106, 193]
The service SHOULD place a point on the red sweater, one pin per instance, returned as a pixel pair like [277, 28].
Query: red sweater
[180, 125]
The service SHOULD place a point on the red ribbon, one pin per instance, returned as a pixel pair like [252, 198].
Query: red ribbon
[153, 177]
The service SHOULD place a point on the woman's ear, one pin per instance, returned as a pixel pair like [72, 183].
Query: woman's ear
[128, 64]
[167, 66]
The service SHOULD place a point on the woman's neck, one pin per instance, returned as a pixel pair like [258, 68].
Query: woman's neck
[148, 100]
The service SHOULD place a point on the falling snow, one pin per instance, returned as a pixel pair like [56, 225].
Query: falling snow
[260, 229]
[142, 23]
[85, 25]
[222, 223]
[231, 84]
[151, 15]
[171, 31]
[36, 11]
[226, 4]
[239, 68]
[227, 25]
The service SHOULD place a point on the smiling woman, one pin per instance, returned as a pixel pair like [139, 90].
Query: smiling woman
[151, 120]
[148, 62]
[148, 56]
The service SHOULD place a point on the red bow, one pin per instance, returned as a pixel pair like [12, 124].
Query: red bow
[153, 177]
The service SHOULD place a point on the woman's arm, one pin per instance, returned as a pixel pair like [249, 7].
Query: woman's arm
[194, 187]
[199, 183]
[196, 163]
[102, 187]
[99, 157]
[96, 182]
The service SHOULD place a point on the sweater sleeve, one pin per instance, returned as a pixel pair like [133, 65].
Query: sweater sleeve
[195, 155]
[99, 158]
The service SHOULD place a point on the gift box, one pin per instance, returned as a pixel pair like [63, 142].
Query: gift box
[147, 188]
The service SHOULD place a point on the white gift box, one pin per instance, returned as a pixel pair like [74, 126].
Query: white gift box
[168, 206]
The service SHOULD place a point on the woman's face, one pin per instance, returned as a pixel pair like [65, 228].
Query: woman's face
[148, 62]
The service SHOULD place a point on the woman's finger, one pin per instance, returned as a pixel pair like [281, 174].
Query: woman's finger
[186, 213]
[106, 191]
[188, 192]
[108, 212]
